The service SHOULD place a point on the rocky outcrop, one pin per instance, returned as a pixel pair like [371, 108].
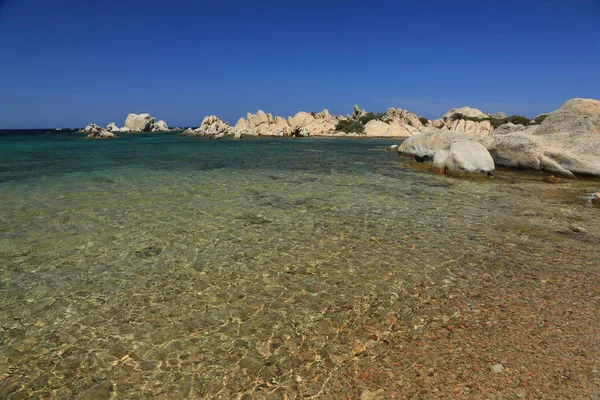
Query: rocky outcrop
[300, 124]
[143, 123]
[466, 111]
[470, 127]
[211, 126]
[404, 118]
[509, 128]
[377, 128]
[567, 142]
[468, 157]
[139, 122]
[97, 132]
[262, 124]
[133, 123]
[160, 126]
[574, 116]
[431, 141]
[451, 153]
[479, 126]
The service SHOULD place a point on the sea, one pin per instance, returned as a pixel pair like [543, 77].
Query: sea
[159, 265]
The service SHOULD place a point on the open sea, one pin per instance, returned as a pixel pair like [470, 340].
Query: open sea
[174, 267]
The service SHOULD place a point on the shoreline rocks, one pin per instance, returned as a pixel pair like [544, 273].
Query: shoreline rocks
[567, 143]
[134, 123]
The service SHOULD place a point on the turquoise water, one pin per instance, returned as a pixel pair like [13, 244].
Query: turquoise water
[166, 266]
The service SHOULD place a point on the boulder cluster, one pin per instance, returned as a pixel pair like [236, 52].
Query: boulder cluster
[395, 123]
[133, 123]
[263, 124]
[567, 142]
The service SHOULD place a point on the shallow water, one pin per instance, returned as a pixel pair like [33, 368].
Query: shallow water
[168, 266]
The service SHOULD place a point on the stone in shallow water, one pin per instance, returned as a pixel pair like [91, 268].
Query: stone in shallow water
[497, 368]
[147, 252]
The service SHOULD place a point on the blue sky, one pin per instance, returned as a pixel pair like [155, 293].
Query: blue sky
[70, 62]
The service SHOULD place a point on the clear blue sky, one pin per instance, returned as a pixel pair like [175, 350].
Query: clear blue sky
[70, 62]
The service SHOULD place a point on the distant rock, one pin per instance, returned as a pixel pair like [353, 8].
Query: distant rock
[261, 124]
[300, 119]
[377, 128]
[508, 128]
[404, 118]
[468, 126]
[357, 112]
[471, 127]
[499, 115]
[211, 126]
[466, 111]
[139, 122]
[97, 132]
[160, 126]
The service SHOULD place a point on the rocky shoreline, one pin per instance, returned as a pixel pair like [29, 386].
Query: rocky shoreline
[567, 143]
[464, 141]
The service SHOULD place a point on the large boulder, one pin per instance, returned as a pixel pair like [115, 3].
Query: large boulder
[139, 122]
[509, 127]
[566, 153]
[474, 123]
[431, 141]
[566, 142]
[404, 118]
[450, 152]
[300, 119]
[468, 157]
[471, 127]
[377, 128]
[466, 111]
[160, 126]
[211, 126]
[576, 115]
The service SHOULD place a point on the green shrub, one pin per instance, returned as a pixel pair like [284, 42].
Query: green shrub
[424, 120]
[518, 119]
[371, 116]
[348, 125]
[540, 118]
[496, 122]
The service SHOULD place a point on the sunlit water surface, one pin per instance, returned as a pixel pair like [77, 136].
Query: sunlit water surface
[159, 265]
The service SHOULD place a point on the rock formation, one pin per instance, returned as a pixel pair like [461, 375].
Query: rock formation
[210, 126]
[452, 153]
[134, 123]
[567, 142]
[262, 124]
[97, 132]
[139, 122]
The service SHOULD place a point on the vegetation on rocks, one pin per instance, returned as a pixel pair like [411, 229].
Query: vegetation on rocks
[371, 116]
[424, 120]
[348, 126]
[496, 122]
[540, 118]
